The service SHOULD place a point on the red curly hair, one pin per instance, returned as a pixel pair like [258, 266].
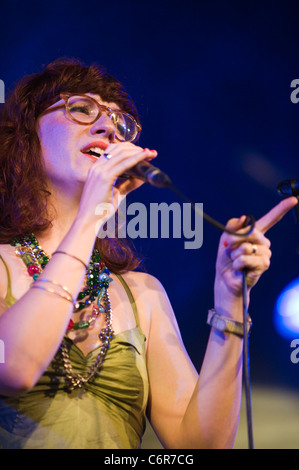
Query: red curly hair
[23, 180]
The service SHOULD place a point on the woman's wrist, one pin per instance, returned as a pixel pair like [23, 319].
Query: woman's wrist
[79, 241]
[226, 324]
[228, 302]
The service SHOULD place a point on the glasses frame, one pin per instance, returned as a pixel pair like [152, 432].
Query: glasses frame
[101, 108]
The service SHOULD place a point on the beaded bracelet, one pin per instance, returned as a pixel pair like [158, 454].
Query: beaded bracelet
[72, 256]
[68, 297]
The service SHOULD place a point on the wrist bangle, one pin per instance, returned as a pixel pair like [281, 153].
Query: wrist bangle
[59, 290]
[72, 256]
[225, 324]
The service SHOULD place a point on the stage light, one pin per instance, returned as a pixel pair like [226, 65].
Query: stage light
[286, 313]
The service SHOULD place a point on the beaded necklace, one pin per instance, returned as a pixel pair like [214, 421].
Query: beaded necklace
[95, 289]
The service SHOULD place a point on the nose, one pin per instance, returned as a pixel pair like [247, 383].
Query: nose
[105, 127]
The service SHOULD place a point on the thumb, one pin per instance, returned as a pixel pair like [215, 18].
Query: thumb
[236, 224]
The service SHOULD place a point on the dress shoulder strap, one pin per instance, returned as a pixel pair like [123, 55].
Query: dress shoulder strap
[9, 299]
[131, 298]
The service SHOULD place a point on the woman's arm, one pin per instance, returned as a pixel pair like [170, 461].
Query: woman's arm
[185, 410]
[33, 328]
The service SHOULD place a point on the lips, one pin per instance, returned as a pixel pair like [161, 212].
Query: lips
[95, 149]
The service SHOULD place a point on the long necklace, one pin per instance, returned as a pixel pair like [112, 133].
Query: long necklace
[95, 289]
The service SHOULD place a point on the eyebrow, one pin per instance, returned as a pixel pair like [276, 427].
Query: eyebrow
[113, 108]
[51, 108]
[59, 106]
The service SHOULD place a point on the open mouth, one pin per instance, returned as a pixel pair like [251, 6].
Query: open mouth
[94, 151]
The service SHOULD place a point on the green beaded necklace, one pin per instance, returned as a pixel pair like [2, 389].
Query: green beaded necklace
[94, 293]
[97, 282]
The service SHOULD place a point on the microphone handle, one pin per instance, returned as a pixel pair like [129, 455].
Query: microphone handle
[145, 171]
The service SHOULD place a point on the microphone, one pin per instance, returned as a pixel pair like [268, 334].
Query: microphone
[290, 188]
[145, 171]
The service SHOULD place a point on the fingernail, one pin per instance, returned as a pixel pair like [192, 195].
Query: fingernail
[225, 243]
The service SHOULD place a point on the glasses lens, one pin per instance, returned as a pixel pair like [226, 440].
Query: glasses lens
[125, 127]
[82, 109]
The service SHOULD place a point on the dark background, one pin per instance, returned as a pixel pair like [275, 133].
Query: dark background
[211, 80]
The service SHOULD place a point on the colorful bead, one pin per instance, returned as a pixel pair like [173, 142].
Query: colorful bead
[81, 325]
[81, 305]
[32, 269]
[28, 260]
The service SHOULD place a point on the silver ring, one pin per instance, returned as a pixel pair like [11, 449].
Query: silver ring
[254, 249]
[107, 155]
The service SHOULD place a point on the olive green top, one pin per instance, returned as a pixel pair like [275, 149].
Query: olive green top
[108, 412]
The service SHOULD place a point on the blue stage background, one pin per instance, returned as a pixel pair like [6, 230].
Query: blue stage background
[211, 80]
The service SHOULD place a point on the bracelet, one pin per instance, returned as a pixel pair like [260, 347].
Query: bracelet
[68, 295]
[72, 256]
[225, 324]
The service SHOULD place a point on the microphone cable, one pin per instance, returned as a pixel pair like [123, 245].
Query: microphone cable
[246, 365]
[161, 180]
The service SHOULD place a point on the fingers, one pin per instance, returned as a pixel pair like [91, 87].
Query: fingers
[105, 172]
[127, 149]
[251, 264]
[276, 214]
[250, 254]
[248, 249]
[122, 157]
[251, 257]
[126, 185]
[261, 226]
[232, 242]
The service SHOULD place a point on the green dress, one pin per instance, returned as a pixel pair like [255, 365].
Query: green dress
[108, 412]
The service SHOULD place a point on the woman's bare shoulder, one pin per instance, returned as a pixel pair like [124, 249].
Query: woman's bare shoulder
[4, 249]
[143, 282]
[150, 297]
[148, 290]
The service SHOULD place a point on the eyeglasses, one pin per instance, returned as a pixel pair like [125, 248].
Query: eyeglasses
[86, 110]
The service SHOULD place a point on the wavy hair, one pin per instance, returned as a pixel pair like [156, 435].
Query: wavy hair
[23, 180]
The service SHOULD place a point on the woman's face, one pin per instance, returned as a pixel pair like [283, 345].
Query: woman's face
[65, 143]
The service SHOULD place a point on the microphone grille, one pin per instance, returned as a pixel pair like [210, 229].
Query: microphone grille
[289, 187]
